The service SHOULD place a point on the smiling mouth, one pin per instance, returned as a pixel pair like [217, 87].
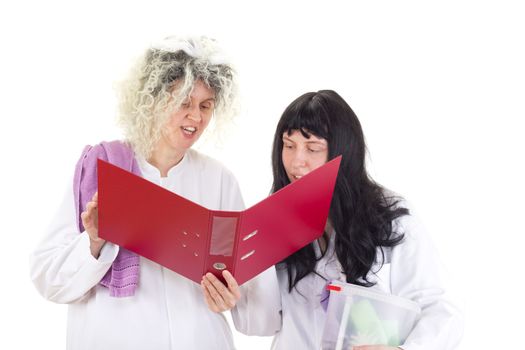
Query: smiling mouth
[297, 177]
[189, 130]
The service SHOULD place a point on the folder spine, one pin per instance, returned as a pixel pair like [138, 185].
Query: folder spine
[223, 230]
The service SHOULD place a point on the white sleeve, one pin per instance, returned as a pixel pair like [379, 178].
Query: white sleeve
[62, 267]
[258, 312]
[417, 274]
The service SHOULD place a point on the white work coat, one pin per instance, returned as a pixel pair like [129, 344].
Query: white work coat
[168, 311]
[411, 270]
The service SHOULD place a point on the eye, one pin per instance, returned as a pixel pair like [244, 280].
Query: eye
[315, 149]
[206, 106]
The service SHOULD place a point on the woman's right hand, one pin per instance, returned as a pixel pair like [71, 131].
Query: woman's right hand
[90, 221]
[219, 297]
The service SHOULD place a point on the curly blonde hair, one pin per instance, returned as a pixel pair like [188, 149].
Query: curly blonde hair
[163, 78]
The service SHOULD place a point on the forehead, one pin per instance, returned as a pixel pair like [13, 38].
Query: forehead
[297, 136]
[201, 91]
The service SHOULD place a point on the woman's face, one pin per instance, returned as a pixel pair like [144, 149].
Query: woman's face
[186, 124]
[302, 155]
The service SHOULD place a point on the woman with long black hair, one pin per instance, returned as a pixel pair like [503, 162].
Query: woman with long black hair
[372, 239]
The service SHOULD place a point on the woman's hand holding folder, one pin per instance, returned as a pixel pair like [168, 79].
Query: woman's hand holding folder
[219, 297]
[90, 221]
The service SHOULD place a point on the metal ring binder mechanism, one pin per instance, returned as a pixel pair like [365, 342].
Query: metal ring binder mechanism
[192, 240]
[219, 266]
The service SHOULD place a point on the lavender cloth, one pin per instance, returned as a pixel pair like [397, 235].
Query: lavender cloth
[325, 296]
[123, 276]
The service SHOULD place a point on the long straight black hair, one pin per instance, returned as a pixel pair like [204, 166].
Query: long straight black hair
[361, 213]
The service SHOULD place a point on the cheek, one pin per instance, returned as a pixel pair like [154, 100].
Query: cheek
[206, 122]
[175, 119]
[286, 160]
[171, 127]
[319, 161]
[317, 165]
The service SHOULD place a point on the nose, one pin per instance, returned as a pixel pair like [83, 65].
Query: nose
[298, 159]
[194, 114]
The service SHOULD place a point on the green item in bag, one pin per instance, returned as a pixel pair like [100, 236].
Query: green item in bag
[368, 328]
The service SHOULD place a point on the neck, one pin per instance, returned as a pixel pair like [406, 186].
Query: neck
[164, 158]
[323, 241]
[328, 228]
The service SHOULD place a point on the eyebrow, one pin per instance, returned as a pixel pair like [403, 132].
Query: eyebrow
[321, 142]
[212, 99]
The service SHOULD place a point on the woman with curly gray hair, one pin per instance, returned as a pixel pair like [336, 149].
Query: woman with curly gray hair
[116, 298]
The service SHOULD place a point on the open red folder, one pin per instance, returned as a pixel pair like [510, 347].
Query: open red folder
[192, 240]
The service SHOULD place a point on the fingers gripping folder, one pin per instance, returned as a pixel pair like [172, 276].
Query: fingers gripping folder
[192, 240]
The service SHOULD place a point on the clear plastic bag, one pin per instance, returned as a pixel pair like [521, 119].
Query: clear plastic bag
[360, 316]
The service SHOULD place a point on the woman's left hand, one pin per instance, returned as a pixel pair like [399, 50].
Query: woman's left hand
[219, 297]
[375, 347]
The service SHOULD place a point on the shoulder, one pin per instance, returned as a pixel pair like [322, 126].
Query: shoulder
[410, 225]
[416, 244]
[116, 152]
[394, 199]
[102, 149]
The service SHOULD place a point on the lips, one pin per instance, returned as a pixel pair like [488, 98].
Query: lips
[189, 130]
[295, 177]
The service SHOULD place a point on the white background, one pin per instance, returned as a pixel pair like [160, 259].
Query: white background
[438, 86]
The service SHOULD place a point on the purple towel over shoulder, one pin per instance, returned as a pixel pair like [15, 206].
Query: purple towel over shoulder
[123, 276]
